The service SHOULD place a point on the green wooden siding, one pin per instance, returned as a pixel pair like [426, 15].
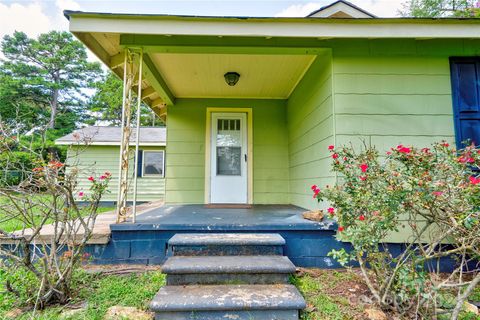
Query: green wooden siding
[95, 160]
[390, 94]
[185, 166]
[310, 132]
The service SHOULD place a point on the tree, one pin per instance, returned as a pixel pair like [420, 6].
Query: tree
[54, 69]
[107, 103]
[440, 8]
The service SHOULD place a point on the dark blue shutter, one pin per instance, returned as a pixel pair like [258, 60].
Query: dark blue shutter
[139, 164]
[465, 73]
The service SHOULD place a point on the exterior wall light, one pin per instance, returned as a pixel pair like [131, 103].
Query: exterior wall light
[231, 78]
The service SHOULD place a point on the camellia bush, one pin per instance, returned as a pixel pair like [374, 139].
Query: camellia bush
[50, 230]
[430, 199]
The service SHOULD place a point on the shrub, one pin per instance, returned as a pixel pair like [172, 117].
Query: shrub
[45, 199]
[432, 195]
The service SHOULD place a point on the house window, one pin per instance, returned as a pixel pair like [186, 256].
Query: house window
[153, 163]
[465, 73]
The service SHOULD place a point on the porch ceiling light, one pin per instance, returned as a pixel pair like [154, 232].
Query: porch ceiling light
[231, 78]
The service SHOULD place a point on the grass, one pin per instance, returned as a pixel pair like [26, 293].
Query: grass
[328, 294]
[98, 292]
[15, 224]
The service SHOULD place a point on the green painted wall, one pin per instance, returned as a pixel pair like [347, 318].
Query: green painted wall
[391, 94]
[383, 92]
[310, 132]
[95, 160]
[186, 121]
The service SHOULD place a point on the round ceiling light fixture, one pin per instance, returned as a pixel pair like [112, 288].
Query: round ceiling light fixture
[231, 78]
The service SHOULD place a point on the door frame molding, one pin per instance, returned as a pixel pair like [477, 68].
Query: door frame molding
[208, 164]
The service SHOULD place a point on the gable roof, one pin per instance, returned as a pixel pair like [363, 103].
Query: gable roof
[111, 136]
[341, 9]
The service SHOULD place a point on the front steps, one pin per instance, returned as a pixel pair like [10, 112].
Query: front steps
[227, 276]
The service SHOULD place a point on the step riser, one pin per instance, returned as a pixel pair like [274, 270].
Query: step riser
[222, 315]
[222, 278]
[226, 250]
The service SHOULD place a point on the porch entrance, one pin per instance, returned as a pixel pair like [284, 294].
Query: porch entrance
[229, 156]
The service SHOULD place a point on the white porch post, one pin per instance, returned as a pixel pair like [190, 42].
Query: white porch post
[129, 75]
[137, 137]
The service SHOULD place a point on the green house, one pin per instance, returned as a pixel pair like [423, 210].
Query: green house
[252, 104]
[95, 150]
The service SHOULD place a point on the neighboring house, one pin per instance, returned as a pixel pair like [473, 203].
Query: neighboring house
[96, 150]
[303, 84]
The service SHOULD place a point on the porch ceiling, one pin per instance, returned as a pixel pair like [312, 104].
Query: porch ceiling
[261, 76]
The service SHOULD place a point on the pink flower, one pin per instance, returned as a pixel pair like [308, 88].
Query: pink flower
[107, 174]
[402, 149]
[466, 159]
[425, 150]
[376, 213]
[361, 218]
[345, 158]
[103, 177]
[331, 210]
[474, 180]
[388, 153]
[437, 193]
[364, 167]
[331, 147]
[91, 178]
[363, 178]
[81, 194]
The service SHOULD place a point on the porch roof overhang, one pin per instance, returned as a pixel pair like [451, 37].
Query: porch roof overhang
[186, 56]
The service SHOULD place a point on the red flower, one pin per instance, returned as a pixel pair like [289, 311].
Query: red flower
[340, 229]
[314, 187]
[466, 159]
[345, 158]
[445, 144]
[363, 178]
[364, 167]
[91, 179]
[316, 192]
[361, 218]
[331, 147]
[331, 210]
[402, 149]
[437, 193]
[334, 156]
[474, 180]
[388, 153]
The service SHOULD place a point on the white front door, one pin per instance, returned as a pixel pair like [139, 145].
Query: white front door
[229, 158]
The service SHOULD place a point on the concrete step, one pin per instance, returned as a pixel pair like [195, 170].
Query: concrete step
[228, 270]
[226, 244]
[241, 302]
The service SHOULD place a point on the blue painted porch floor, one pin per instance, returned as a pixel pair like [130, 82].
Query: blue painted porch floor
[146, 240]
[199, 217]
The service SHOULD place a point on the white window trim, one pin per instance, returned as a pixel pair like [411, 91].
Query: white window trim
[143, 165]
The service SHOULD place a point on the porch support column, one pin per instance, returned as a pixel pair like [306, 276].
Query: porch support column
[137, 136]
[131, 69]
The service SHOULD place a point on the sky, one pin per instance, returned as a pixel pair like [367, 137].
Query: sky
[38, 16]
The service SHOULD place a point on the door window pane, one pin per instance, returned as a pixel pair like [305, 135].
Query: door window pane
[229, 147]
[229, 161]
